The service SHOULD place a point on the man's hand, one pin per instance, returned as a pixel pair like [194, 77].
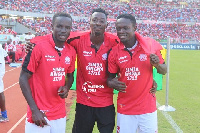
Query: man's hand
[154, 60]
[117, 85]
[38, 118]
[29, 46]
[154, 87]
[63, 91]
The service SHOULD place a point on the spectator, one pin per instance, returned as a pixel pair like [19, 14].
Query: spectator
[3, 115]
[15, 39]
[10, 49]
[29, 36]
[20, 51]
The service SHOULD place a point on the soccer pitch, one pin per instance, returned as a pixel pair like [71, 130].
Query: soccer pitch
[184, 90]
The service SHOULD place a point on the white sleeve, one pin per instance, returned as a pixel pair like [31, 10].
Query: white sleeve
[5, 53]
[1, 56]
[14, 48]
[6, 49]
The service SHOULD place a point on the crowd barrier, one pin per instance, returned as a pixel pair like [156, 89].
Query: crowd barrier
[182, 46]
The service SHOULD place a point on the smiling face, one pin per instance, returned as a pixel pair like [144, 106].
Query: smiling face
[125, 30]
[98, 23]
[61, 28]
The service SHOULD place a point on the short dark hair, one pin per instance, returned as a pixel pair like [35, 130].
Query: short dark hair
[60, 14]
[128, 16]
[100, 10]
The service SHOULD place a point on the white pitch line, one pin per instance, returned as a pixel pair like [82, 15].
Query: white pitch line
[10, 70]
[10, 131]
[11, 86]
[170, 120]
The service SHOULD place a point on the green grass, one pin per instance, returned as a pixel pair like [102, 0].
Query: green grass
[184, 91]
[70, 118]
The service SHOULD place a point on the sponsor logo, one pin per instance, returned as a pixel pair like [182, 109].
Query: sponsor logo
[143, 57]
[94, 68]
[132, 73]
[104, 56]
[58, 73]
[86, 53]
[50, 58]
[122, 59]
[89, 87]
[67, 60]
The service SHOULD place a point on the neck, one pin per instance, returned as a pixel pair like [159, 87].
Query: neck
[130, 43]
[97, 40]
[58, 43]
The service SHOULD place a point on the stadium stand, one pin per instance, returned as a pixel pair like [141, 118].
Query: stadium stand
[157, 18]
[162, 11]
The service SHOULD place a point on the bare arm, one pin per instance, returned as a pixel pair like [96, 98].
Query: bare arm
[161, 68]
[63, 90]
[37, 115]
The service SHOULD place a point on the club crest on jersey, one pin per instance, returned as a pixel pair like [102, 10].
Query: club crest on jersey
[143, 57]
[104, 56]
[67, 60]
[87, 53]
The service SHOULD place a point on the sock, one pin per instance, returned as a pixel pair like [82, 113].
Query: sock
[4, 114]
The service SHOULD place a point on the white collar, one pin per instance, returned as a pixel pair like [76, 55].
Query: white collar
[60, 49]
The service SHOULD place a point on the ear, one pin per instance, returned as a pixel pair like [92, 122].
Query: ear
[107, 24]
[52, 27]
[135, 28]
[89, 21]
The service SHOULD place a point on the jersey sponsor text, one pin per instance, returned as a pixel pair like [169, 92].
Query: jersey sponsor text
[94, 68]
[132, 73]
[58, 74]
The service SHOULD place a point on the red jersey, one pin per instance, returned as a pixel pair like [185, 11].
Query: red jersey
[137, 72]
[91, 86]
[10, 47]
[48, 75]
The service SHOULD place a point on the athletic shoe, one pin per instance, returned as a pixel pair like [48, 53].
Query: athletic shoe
[2, 119]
